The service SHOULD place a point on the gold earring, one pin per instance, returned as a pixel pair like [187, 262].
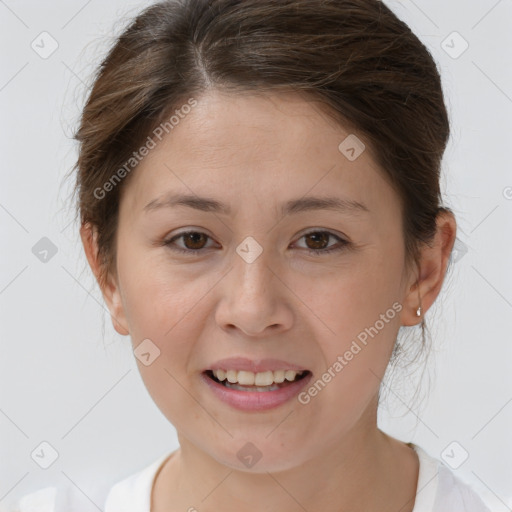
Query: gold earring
[418, 311]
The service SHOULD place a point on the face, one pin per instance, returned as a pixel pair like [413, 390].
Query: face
[269, 279]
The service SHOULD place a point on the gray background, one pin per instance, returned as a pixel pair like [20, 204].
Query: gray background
[66, 381]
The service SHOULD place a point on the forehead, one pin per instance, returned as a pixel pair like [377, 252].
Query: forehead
[267, 148]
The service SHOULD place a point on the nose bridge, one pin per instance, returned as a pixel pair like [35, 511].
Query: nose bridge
[251, 297]
[251, 268]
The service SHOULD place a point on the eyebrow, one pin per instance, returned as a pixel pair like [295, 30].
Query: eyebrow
[303, 204]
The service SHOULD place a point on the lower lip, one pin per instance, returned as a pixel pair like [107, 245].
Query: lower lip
[256, 400]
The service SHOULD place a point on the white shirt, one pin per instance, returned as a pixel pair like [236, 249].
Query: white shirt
[438, 490]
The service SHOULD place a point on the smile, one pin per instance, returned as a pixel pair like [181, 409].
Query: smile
[251, 391]
[261, 381]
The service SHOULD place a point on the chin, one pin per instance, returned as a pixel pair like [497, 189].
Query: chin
[257, 456]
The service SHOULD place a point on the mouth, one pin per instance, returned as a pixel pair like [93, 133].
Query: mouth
[242, 380]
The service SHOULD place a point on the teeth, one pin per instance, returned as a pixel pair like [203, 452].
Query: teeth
[263, 378]
[279, 376]
[232, 376]
[221, 375]
[246, 378]
[289, 374]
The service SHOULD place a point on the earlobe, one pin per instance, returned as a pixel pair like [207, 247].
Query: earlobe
[414, 306]
[117, 312]
[431, 271]
[107, 284]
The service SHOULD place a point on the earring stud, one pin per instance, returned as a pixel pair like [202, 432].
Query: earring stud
[418, 311]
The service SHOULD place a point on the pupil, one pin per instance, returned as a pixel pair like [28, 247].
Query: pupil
[192, 236]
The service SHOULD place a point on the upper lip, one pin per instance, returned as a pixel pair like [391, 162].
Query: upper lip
[255, 366]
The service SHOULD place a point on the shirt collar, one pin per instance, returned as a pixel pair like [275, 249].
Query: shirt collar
[428, 480]
[134, 493]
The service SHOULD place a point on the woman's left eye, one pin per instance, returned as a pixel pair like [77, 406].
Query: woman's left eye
[320, 238]
[195, 241]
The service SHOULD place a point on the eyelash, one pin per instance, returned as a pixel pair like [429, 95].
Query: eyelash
[317, 252]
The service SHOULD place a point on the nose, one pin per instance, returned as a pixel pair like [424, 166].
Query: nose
[254, 299]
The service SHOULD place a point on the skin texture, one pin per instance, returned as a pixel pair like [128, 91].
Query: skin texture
[255, 152]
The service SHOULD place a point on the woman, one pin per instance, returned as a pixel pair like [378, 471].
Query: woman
[258, 189]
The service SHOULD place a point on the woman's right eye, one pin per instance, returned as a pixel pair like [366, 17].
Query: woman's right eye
[193, 240]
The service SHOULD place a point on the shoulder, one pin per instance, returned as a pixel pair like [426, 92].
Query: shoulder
[454, 494]
[62, 498]
[42, 500]
[440, 490]
[132, 493]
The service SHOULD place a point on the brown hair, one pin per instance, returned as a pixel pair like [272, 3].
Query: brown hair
[354, 56]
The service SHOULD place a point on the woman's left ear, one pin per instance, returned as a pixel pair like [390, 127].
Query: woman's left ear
[431, 270]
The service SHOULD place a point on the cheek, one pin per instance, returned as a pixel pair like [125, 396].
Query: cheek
[166, 317]
[156, 295]
[357, 312]
[164, 322]
[162, 313]
[353, 297]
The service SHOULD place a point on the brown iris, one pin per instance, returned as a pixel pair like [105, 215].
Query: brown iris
[195, 238]
[321, 238]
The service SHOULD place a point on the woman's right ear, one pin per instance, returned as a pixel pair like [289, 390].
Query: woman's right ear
[109, 288]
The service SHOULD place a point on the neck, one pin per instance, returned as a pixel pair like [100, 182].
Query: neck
[362, 471]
